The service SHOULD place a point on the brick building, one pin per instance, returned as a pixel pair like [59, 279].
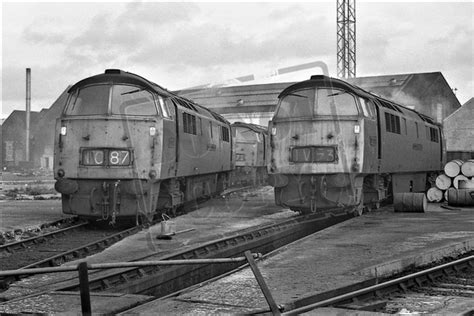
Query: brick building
[459, 132]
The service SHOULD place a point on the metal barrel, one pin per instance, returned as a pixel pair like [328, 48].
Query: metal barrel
[453, 168]
[461, 197]
[467, 168]
[459, 178]
[466, 184]
[443, 182]
[409, 202]
[434, 195]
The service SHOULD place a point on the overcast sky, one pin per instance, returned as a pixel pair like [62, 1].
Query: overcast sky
[180, 45]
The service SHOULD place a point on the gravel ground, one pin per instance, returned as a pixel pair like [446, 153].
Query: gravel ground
[25, 215]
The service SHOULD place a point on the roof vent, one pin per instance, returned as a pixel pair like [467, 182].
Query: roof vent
[318, 77]
[113, 71]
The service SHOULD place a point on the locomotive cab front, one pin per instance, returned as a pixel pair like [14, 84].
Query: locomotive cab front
[323, 136]
[109, 147]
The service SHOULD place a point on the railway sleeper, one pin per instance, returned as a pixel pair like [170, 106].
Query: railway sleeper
[446, 291]
[372, 306]
[455, 286]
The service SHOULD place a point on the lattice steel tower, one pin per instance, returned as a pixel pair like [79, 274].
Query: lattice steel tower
[346, 39]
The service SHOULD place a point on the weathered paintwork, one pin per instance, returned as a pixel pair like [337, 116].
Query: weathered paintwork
[178, 150]
[379, 147]
[250, 152]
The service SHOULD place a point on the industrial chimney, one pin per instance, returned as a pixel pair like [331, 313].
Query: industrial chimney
[28, 110]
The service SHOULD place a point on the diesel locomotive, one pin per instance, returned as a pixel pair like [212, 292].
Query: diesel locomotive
[250, 149]
[126, 147]
[334, 144]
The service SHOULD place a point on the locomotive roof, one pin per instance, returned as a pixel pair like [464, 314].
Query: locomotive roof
[253, 127]
[118, 76]
[325, 81]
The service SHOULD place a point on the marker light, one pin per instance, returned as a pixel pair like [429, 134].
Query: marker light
[63, 130]
[61, 173]
[152, 131]
[274, 131]
[356, 129]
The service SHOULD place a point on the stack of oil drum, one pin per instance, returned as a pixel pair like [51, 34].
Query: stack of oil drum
[456, 185]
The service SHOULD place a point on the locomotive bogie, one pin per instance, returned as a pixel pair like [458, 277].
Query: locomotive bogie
[308, 193]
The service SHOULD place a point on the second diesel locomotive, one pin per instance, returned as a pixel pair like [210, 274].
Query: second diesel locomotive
[250, 150]
[125, 147]
[334, 144]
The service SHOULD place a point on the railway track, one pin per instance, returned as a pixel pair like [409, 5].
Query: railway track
[69, 239]
[59, 246]
[451, 280]
[159, 281]
[17, 239]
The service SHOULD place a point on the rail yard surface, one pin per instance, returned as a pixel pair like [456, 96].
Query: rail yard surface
[378, 244]
[214, 220]
[24, 215]
[374, 245]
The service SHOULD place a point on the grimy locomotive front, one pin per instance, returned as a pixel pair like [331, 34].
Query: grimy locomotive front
[126, 147]
[333, 144]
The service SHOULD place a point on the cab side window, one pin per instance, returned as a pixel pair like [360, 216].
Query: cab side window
[368, 108]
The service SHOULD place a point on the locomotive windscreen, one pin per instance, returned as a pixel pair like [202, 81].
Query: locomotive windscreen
[112, 99]
[317, 102]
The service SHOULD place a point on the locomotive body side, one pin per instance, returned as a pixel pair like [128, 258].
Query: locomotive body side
[125, 147]
[333, 144]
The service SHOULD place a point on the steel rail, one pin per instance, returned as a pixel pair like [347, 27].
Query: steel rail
[85, 249]
[375, 288]
[166, 281]
[21, 244]
[262, 239]
[76, 253]
[114, 265]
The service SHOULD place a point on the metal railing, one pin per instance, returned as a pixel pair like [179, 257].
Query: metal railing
[84, 267]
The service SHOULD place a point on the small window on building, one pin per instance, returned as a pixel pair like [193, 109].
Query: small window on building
[210, 130]
[189, 123]
[417, 133]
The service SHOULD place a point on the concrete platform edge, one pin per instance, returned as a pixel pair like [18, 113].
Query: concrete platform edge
[393, 267]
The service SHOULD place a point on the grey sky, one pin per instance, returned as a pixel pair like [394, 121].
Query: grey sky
[179, 45]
